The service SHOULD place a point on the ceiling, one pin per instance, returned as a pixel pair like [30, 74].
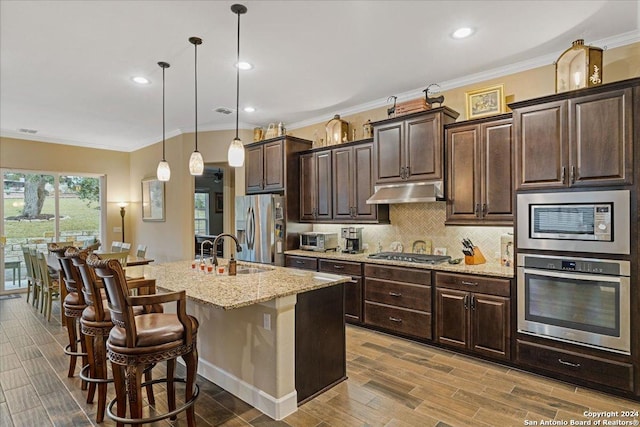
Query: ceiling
[66, 66]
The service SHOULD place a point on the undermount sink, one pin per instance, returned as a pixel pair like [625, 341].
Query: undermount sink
[251, 270]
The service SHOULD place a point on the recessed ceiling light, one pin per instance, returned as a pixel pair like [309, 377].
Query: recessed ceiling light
[140, 80]
[461, 33]
[249, 109]
[244, 65]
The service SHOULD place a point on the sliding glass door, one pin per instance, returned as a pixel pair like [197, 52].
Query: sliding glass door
[42, 208]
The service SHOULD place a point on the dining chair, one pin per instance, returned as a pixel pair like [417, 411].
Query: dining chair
[126, 247]
[141, 251]
[116, 246]
[135, 340]
[120, 256]
[50, 287]
[31, 278]
[37, 275]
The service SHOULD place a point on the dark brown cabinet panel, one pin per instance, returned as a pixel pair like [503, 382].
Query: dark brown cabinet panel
[578, 139]
[315, 186]
[352, 289]
[335, 188]
[304, 263]
[353, 184]
[269, 167]
[411, 148]
[480, 180]
[576, 365]
[469, 318]
[398, 299]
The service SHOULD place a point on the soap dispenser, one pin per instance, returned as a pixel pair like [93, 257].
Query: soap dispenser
[232, 266]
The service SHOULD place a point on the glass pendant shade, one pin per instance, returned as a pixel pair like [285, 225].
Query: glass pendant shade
[196, 164]
[235, 155]
[163, 172]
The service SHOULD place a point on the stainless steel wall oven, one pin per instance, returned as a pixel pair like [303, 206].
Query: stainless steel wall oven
[579, 300]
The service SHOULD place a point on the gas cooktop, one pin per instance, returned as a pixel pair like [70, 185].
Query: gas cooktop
[409, 257]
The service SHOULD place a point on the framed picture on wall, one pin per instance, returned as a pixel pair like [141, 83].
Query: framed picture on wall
[152, 200]
[219, 203]
[485, 102]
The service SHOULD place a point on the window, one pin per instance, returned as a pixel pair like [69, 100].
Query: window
[201, 214]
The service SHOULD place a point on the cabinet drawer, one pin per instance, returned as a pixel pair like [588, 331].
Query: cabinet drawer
[421, 277]
[465, 282]
[340, 267]
[589, 368]
[302, 262]
[416, 297]
[400, 320]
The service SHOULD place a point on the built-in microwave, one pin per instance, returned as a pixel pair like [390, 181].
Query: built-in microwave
[586, 221]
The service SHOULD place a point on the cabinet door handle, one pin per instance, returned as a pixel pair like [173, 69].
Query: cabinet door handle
[573, 174]
[408, 172]
[473, 302]
[477, 210]
[466, 302]
[573, 365]
[484, 209]
[395, 294]
[402, 172]
[562, 174]
[464, 282]
[395, 319]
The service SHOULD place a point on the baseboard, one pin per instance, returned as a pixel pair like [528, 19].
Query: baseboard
[267, 404]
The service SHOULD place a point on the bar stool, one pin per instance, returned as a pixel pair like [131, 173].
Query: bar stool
[96, 324]
[73, 306]
[136, 341]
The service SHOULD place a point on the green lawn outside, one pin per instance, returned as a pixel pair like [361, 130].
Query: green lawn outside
[77, 219]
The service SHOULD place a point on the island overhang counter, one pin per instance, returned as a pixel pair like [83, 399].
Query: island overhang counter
[274, 337]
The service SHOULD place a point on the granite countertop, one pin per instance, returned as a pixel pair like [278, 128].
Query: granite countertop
[229, 292]
[487, 269]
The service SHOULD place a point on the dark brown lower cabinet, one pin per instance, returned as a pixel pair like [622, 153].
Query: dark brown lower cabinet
[398, 300]
[352, 289]
[576, 366]
[473, 313]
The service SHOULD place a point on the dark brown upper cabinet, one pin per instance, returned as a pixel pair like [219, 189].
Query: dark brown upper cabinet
[270, 165]
[410, 148]
[479, 172]
[353, 184]
[575, 139]
[315, 186]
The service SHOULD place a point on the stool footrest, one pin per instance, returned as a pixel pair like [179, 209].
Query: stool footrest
[67, 351]
[159, 417]
[84, 375]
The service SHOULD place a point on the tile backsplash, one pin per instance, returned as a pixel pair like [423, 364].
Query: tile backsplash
[425, 221]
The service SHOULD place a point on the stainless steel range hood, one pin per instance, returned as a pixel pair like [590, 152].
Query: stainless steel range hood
[414, 192]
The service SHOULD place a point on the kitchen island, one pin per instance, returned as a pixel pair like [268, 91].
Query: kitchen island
[272, 336]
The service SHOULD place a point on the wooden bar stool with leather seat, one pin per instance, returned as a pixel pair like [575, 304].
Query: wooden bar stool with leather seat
[136, 341]
[96, 324]
[73, 306]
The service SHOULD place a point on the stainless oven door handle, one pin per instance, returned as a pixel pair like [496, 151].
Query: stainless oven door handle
[575, 276]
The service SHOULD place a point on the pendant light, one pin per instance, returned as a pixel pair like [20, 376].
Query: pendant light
[196, 164]
[235, 155]
[163, 172]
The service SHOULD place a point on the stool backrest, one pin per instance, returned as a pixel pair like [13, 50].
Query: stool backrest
[115, 286]
[90, 284]
[70, 274]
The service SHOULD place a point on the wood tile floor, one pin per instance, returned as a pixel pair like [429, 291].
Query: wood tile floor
[392, 382]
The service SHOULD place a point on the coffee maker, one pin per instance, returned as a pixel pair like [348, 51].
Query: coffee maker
[353, 240]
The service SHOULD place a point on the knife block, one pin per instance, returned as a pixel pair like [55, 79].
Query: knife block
[476, 258]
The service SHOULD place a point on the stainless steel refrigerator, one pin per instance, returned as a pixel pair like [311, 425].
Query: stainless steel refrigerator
[263, 230]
